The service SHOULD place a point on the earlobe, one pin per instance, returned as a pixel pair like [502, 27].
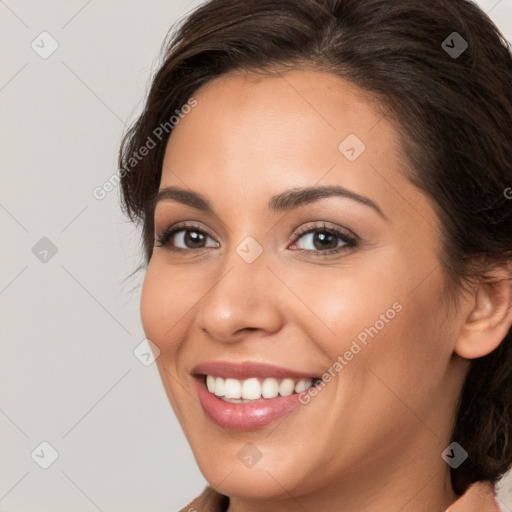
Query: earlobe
[489, 320]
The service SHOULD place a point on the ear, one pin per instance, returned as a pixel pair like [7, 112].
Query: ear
[489, 319]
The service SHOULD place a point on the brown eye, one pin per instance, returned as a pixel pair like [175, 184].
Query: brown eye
[323, 240]
[184, 238]
[192, 239]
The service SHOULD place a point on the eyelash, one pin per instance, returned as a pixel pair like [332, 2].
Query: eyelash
[349, 241]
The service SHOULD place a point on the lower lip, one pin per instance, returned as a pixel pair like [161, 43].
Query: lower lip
[244, 416]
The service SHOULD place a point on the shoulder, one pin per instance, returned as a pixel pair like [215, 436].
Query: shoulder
[208, 501]
[479, 497]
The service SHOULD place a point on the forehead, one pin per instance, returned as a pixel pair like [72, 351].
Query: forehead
[284, 112]
[254, 134]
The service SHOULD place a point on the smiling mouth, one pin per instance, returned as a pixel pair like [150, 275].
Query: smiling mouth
[249, 395]
[255, 389]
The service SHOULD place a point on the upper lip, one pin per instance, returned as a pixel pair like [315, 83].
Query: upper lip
[248, 369]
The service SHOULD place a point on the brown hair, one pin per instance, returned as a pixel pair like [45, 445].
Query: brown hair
[452, 112]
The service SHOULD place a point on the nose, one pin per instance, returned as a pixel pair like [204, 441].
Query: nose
[244, 297]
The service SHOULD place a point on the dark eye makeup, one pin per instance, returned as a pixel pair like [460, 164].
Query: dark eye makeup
[322, 240]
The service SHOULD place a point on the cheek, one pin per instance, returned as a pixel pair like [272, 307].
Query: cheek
[387, 315]
[163, 303]
[411, 353]
[356, 301]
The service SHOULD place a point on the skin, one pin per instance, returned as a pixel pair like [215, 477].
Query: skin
[371, 440]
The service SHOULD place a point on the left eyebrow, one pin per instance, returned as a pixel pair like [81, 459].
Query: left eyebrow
[293, 198]
[284, 201]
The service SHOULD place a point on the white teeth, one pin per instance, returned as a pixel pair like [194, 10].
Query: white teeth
[286, 387]
[219, 386]
[252, 389]
[232, 388]
[270, 388]
[302, 385]
[210, 383]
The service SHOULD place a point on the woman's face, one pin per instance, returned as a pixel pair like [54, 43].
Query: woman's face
[365, 308]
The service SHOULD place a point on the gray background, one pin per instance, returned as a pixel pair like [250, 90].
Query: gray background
[70, 322]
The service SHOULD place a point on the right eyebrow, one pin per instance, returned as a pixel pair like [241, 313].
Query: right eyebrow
[284, 201]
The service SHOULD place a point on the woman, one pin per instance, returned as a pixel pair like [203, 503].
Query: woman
[327, 237]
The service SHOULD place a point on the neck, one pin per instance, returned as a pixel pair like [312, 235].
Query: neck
[407, 487]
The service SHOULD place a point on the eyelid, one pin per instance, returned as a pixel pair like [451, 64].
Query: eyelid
[169, 232]
[349, 238]
[296, 235]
